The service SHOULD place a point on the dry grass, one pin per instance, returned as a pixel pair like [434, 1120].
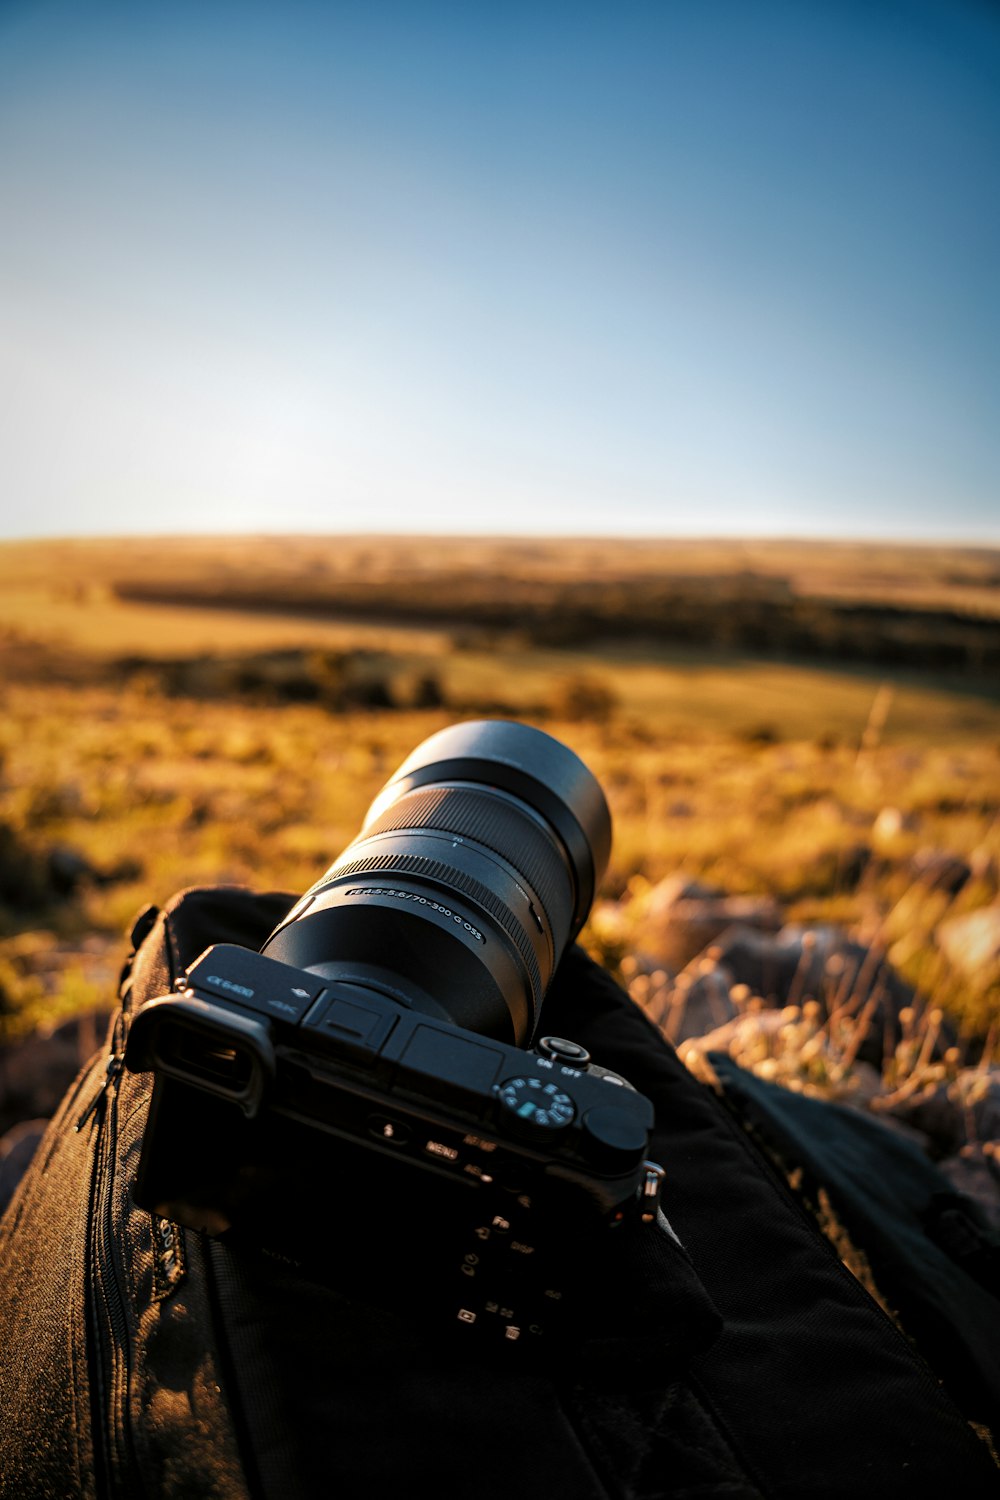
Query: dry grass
[175, 792]
[755, 775]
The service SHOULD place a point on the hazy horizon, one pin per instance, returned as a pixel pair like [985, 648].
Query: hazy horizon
[727, 539]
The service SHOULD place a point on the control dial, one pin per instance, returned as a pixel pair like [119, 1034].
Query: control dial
[537, 1105]
[613, 1138]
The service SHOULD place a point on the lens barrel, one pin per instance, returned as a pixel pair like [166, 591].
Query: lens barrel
[476, 865]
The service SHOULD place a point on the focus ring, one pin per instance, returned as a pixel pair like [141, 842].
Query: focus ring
[495, 821]
[419, 867]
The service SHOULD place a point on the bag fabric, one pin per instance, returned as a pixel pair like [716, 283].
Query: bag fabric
[143, 1359]
[931, 1250]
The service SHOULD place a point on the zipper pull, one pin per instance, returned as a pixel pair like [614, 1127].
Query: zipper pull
[115, 1062]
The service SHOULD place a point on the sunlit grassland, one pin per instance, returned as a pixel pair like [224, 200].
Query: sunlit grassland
[814, 783]
[172, 792]
[666, 693]
[87, 618]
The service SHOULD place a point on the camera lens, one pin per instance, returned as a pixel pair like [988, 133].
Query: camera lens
[476, 866]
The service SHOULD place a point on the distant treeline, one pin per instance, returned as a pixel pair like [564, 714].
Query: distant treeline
[337, 680]
[741, 612]
[342, 682]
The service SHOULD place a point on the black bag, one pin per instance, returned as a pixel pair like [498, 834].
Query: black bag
[143, 1359]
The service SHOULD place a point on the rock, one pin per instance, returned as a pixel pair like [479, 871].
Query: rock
[684, 917]
[733, 1036]
[823, 964]
[17, 1148]
[701, 1006]
[897, 1127]
[972, 942]
[934, 1112]
[783, 968]
[867, 1086]
[960, 1113]
[976, 1173]
[679, 888]
[978, 1092]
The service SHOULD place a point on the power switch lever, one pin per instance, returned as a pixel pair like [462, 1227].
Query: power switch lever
[564, 1051]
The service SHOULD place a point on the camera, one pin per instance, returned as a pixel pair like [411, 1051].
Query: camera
[372, 1097]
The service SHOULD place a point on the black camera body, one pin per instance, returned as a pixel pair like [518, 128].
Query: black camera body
[322, 1122]
[341, 1114]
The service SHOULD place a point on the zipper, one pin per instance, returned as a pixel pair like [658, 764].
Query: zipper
[108, 1324]
[115, 1063]
[107, 1295]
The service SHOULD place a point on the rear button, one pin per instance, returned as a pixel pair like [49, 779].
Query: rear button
[384, 1128]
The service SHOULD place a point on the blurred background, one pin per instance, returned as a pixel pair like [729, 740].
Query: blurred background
[629, 369]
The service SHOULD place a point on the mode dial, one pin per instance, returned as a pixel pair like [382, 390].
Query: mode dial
[536, 1105]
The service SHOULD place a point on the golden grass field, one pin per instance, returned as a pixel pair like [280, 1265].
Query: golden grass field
[175, 743]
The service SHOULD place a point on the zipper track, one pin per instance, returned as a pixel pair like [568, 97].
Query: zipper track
[116, 1469]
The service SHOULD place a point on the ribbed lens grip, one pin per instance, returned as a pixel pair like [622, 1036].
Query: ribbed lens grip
[420, 868]
[496, 821]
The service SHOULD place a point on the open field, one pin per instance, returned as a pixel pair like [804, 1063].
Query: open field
[923, 608]
[160, 743]
[935, 576]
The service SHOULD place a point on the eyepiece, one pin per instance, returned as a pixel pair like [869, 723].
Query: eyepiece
[476, 865]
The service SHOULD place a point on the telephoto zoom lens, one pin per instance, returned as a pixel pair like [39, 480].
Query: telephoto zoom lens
[475, 868]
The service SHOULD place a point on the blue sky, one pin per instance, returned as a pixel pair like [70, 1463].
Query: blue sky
[711, 267]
